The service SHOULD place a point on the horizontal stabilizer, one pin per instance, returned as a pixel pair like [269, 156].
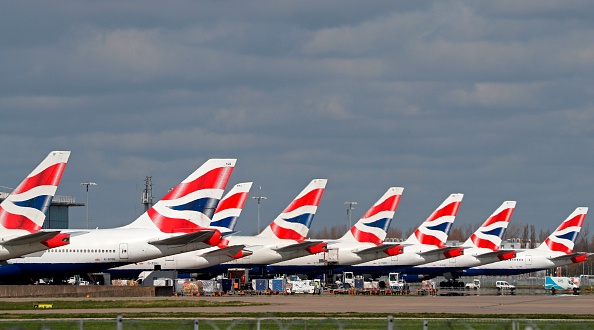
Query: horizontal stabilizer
[502, 254]
[569, 256]
[442, 251]
[195, 237]
[297, 246]
[37, 237]
[390, 250]
[228, 251]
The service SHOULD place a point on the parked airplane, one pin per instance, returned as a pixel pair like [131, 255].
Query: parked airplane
[224, 219]
[171, 226]
[426, 244]
[481, 248]
[23, 212]
[284, 238]
[555, 251]
[363, 242]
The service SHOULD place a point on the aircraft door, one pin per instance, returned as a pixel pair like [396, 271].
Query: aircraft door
[123, 250]
[528, 260]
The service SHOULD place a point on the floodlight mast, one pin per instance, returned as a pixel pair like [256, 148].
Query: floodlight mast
[259, 199]
[349, 209]
[87, 184]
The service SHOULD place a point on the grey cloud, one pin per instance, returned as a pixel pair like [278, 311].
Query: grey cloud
[491, 99]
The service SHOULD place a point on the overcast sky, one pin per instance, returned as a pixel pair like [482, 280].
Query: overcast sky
[493, 99]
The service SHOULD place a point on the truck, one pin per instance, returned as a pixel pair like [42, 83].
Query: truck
[294, 285]
[397, 283]
[346, 280]
[557, 283]
[504, 286]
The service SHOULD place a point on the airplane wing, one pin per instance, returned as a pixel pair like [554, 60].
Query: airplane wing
[228, 251]
[389, 250]
[37, 237]
[195, 237]
[297, 246]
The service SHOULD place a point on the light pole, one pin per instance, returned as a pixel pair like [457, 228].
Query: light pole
[349, 208]
[87, 184]
[259, 198]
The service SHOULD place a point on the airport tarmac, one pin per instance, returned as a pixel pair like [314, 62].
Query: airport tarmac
[329, 303]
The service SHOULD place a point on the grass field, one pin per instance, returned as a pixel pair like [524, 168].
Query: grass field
[55, 318]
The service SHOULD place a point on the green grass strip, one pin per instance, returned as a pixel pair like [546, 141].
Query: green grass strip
[100, 304]
[199, 315]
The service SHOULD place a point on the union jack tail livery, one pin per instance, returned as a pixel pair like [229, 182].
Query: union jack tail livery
[435, 230]
[25, 209]
[563, 239]
[189, 206]
[294, 222]
[230, 207]
[490, 234]
[373, 226]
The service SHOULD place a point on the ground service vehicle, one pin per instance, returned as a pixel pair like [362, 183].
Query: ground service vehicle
[504, 286]
[475, 285]
[555, 283]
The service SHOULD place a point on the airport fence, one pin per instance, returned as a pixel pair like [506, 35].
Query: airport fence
[267, 322]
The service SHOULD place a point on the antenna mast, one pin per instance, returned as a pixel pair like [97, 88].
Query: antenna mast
[147, 193]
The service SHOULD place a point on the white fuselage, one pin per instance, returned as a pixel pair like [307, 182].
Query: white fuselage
[412, 255]
[262, 248]
[472, 257]
[187, 261]
[95, 250]
[526, 261]
[342, 254]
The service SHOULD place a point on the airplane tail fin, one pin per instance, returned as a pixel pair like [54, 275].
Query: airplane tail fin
[27, 206]
[230, 207]
[436, 228]
[189, 206]
[564, 237]
[490, 234]
[373, 225]
[295, 220]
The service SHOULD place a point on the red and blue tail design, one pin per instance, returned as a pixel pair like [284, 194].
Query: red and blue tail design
[490, 234]
[435, 230]
[563, 239]
[373, 226]
[189, 206]
[294, 222]
[27, 206]
[230, 207]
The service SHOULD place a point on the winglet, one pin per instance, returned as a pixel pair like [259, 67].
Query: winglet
[436, 228]
[294, 222]
[564, 237]
[25, 209]
[490, 234]
[189, 206]
[373, 225]
[230, 207]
